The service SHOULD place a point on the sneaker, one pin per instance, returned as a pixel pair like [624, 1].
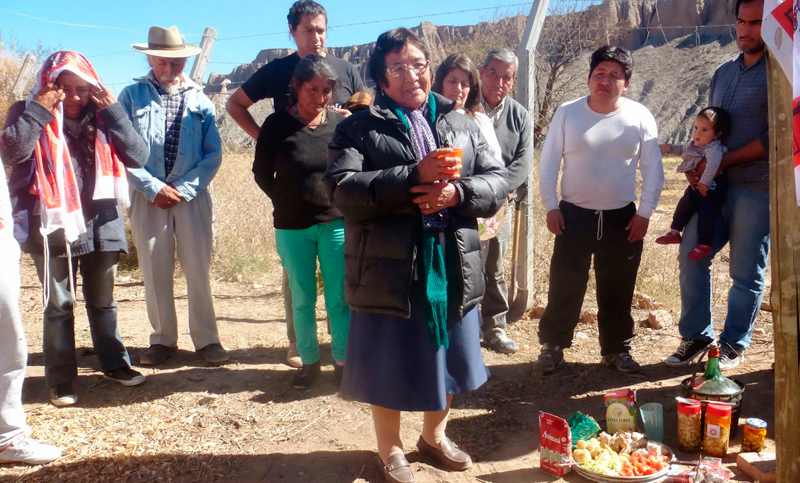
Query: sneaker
[63, 395]
[687, 352]
[671, 238]
[700, 252]
[27, 450]
[729, 357]
[502, 344]
[549, 359]
[213, 353]
[306, 376]
[156, 354]
[623, 362]
[293, 356]
[125, 376]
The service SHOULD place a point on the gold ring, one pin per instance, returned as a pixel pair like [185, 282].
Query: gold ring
[427, 206]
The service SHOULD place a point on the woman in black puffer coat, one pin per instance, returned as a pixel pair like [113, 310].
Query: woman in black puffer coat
[413, 271]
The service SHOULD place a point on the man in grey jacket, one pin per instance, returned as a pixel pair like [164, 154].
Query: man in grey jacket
[512, 123]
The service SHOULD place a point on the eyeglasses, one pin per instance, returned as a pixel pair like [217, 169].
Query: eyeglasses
[396, 70]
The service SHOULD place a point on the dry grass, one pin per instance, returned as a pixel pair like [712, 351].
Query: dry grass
[658, 271]
[245, 236]
[245, 249]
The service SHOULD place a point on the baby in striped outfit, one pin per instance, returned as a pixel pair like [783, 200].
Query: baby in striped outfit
[711, 125]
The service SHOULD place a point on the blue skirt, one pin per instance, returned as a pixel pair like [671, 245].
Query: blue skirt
[391, 361]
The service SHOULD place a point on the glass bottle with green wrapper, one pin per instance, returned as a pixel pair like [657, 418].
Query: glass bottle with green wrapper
[713, 382]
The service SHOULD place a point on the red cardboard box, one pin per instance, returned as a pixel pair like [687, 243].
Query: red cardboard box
[681, 474]
[555, 444]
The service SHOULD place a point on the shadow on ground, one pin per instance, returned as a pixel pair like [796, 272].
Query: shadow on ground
[312, 467]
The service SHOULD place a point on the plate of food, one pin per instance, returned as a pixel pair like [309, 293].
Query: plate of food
[623, 457]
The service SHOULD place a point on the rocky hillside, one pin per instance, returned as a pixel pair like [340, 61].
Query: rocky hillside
[677, 44]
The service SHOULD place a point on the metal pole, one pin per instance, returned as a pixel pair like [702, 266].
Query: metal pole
[526, 92]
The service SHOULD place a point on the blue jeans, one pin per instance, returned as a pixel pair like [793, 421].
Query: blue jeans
[98, 271]
[745, 224]
[299, 250]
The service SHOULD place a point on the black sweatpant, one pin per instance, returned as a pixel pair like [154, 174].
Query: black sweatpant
[707, 207]
[600, 234]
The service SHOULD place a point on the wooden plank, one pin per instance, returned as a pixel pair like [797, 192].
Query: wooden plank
[525, 95]
[26, 72]
[785, 233]
[758, 466]
[202, 59]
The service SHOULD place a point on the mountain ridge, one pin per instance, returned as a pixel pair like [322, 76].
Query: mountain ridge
[677, 44]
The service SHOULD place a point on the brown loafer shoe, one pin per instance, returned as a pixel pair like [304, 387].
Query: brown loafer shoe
[213, 353]
[397, 470]
[448, 456]
[156, 354]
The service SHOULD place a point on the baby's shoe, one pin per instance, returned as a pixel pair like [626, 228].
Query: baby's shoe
[699, 252]
[671, 238]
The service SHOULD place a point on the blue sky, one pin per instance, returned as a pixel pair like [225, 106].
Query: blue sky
[103, 30]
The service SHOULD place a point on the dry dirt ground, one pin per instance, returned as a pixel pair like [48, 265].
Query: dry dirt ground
[244, 422]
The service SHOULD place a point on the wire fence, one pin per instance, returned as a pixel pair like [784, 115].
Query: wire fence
[577, 31]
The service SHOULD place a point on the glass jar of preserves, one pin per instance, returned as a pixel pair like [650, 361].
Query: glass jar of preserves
[690, 430]
[717, 431]
[755, 431]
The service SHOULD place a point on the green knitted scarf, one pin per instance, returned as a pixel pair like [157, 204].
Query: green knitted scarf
[433, 272]
[435, 280]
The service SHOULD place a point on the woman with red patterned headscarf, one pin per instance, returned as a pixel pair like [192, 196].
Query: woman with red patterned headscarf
[68, 145]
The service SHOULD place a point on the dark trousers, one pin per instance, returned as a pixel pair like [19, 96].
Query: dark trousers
[98, 272]
[708, 209]
[600, 234]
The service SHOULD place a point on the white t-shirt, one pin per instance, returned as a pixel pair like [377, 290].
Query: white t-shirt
[487, 129]
[6, 222]
[600, 154]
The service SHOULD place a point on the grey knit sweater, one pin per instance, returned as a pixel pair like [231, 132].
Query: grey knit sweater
[105, 230]
[515, 133]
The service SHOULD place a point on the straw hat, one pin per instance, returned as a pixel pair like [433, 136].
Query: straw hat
[169, 43]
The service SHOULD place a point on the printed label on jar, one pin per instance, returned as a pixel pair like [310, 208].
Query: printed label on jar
[713, 431]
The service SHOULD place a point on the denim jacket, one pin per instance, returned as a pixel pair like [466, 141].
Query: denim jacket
[199, 147]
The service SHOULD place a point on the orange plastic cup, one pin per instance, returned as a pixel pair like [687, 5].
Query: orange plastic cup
[457, 153]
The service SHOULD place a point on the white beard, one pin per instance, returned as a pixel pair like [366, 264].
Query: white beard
[171, 84]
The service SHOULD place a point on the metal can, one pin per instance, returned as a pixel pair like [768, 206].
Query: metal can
[755, 431]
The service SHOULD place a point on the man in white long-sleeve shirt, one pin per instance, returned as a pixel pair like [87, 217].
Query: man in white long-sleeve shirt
[597, 142]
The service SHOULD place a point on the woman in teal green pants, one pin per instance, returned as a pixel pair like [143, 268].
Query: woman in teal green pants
[290, 161]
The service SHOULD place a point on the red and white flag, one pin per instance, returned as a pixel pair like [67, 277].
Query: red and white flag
[779, 29]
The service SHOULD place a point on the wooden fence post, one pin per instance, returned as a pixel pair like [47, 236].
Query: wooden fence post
[26, 72]
[784, 233]
[197, 74]
[522, 275]
[202, 59]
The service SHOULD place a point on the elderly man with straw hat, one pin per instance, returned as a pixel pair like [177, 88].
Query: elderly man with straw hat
[170, 203]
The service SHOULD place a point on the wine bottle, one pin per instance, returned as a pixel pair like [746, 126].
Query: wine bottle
[713, 382]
